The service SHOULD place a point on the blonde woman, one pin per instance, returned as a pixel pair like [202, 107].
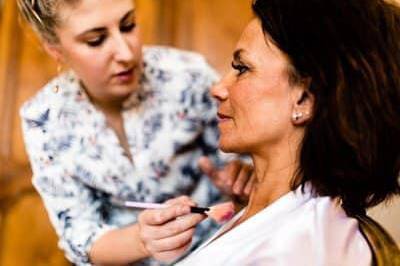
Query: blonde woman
[125, 122]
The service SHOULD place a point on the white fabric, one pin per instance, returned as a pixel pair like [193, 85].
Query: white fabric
[298, 229]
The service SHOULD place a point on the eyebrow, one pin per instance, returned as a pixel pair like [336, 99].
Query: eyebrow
[101, 29]
[237, 55]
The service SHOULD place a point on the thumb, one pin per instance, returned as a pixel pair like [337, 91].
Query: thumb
[207, 166]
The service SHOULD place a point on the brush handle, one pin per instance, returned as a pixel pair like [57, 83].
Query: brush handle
[144, 205]
[200, 210]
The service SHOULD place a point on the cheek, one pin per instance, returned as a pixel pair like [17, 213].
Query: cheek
[138, 54]
[135, 41]
[253, 109]
[90, 60]
[264, 117]
[90, 66]
[135, 44]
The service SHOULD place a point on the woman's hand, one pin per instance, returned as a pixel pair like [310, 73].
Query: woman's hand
[167, 233]
[234, 179]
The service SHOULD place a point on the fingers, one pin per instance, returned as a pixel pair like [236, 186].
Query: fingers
[162, 216]
[167, 233]
[172, 255]
[242, 179]
[207, 166]
[173, 227]
[226, 177]
[234, 179]
[249, 186]
[230, 172]
[173, 242]
[181, 200]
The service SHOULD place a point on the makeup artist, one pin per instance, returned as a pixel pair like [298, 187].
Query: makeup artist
[127, 122]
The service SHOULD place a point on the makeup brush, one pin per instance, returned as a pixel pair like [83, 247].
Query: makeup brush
[220, 212]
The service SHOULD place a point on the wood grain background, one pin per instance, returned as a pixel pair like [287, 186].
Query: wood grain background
[211, 27]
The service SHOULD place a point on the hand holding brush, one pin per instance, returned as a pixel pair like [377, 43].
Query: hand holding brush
[166, 230]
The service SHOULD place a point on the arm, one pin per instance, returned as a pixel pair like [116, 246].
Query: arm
[73, 209]
[158, 233]
[119, 247]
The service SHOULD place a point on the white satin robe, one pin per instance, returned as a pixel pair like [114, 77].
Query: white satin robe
[297, 229]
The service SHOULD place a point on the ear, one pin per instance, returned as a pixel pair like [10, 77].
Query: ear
[303, 104]
[54, 50]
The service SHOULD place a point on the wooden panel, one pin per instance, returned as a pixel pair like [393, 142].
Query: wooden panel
[150, 20]
[211, 27]
[218, 28]
[9, 59]
[28, 238]
[388, 215]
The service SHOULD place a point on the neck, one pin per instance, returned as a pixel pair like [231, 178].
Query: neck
[274, 171]
[108, 107]
[270, 184]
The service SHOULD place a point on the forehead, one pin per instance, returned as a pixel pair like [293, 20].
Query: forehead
[87, 14]
[256, 44]
[252, 37]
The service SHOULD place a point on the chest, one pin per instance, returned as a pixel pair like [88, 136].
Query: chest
[163, 151]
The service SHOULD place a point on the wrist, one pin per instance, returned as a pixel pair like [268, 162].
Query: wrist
[141, 246]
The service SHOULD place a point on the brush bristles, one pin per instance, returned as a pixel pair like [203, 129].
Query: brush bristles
[222, 212]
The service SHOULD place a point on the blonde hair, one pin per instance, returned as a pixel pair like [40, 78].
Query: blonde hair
[43, 16]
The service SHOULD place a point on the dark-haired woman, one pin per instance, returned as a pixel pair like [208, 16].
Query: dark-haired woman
[314, 97]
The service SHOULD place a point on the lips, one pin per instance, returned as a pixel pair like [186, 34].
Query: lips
[125, 76]
[223, 117]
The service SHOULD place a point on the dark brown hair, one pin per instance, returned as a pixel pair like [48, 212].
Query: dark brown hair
[350, 50]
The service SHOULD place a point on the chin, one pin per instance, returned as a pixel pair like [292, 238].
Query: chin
[123, 91]
[230, 146]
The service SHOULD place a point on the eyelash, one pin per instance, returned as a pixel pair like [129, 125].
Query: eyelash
[100, 39]
[128, 27]
[240, 68]
[97, 41]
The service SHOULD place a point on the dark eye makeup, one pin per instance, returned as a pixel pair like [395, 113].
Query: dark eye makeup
[241, 68]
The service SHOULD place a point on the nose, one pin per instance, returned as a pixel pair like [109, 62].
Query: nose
[123, 51]
[220, 90]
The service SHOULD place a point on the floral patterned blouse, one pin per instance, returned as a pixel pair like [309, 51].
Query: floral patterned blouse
[78, 163]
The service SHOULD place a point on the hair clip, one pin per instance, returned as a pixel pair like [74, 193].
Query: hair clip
[35, 14]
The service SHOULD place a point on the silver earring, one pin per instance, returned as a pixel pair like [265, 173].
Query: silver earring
[296, 116]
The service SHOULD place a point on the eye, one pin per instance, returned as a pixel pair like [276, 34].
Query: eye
[127, 27]
[240, 68]
[95, 42]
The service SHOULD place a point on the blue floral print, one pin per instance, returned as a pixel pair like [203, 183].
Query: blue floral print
[78, 164]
